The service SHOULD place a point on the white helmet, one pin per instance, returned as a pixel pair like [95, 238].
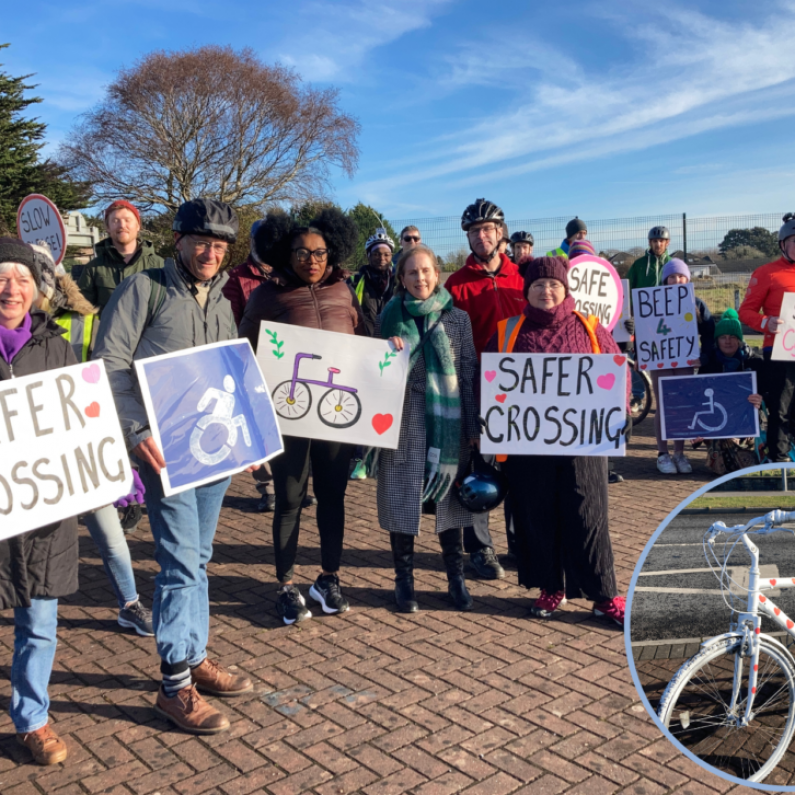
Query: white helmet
[380, 236]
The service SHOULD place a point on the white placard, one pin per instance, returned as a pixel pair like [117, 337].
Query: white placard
[666, 327]
[596, 288]
[337, 387]
[63, 451]
[620, 334]
[553, 404]
[784, 342]
[38, 219]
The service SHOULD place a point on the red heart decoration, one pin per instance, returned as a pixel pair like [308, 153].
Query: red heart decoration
[660, 364]
[382, 423]
[790, 625]
[643, 367]
[777, 610]
[500, 398]
[762, 598]
[674, 364]
[92, 410]
[694, 361]
[773, 582]
[619, 360]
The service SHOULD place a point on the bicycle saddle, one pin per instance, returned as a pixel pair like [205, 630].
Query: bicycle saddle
[333, 370]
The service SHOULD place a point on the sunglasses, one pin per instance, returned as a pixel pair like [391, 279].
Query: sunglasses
[411, 239]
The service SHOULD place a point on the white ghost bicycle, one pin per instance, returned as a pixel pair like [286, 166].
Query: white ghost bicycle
[733, 703]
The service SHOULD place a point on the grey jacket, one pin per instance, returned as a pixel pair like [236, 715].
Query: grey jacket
[124, 336]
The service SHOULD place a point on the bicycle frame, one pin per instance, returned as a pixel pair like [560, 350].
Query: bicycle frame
[329, 382]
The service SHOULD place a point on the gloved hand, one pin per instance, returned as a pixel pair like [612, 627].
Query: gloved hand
[629, 325]
[136, 495]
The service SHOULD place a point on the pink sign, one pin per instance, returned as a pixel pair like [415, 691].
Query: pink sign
[596, 287]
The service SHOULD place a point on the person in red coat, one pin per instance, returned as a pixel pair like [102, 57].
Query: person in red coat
[489, 289]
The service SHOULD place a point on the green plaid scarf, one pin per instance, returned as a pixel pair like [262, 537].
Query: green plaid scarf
[442, 397]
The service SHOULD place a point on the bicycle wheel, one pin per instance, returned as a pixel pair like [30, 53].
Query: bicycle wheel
[642, 395]
[339, 409]
[696, 708]
[297, 407]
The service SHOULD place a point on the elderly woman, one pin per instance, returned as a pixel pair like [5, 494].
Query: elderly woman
[560, 502]
[307, 287]
[38, 567]
[439, 423]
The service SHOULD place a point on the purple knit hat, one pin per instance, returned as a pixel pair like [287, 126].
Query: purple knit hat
[674, 266]
[579, 247]
[546, 268]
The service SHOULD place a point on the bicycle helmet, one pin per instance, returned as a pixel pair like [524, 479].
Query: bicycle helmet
[380, 236]
[522, 237]
[574, 226]
[207, 217]
[483, 489]
[659, 233]
[482, 210]
[788, 229]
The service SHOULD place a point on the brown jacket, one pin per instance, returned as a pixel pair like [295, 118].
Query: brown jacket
[329, 305]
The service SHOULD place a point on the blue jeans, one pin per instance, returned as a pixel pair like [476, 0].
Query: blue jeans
[183, 527]
[35, 639]
[106, 530]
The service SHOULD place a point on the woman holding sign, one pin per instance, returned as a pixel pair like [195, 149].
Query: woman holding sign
[38, 567]
[560, 502]
[439, 423]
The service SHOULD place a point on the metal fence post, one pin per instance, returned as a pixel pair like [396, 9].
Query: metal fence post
[736, 300]
[684, 235]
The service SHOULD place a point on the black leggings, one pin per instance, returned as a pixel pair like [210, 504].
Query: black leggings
[290, 479]
[777, 388]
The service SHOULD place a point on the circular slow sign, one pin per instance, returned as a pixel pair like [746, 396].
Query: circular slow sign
[596, 288]
[38, 219]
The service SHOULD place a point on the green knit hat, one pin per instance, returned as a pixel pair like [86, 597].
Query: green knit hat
[729, 323]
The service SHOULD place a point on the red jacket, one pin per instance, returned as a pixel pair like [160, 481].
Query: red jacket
[764, 295]
[243, 280]
[487, 297]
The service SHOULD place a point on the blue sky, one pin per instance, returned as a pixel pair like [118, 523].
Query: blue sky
[604, 109]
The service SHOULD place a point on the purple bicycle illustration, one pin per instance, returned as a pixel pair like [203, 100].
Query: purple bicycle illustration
[340, 407]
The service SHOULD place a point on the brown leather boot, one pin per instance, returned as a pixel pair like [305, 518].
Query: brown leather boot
[210, 677]
[45, 745]
[188, 710]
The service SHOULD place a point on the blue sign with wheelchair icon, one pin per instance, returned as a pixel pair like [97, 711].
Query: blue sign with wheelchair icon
[210, 411]
[709, 406]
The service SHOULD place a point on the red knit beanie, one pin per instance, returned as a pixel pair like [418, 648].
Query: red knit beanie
[121, 204]
[547, 268]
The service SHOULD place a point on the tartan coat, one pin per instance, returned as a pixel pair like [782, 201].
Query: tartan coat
[401, 472]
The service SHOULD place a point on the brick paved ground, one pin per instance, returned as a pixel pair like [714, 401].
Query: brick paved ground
[372, 701]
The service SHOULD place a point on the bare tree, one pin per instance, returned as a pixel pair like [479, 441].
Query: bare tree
[211, 122]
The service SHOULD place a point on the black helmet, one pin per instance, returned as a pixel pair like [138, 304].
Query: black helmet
[482, 210]
[659, 233]
[522, 237]
[483, 489]
[788, 229]
[207, 217]
[574, 226]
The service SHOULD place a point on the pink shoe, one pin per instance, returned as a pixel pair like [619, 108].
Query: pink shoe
[547, 604]
[612, 608]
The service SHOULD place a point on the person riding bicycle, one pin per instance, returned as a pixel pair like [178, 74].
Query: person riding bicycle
[374, 284]
[521, 249]
[576, 229]
[307, 288]
[646, 271]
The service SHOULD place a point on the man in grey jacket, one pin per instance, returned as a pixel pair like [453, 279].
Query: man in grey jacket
[189, 310]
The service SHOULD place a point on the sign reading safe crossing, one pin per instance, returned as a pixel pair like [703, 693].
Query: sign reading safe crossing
[63, 451]
[666, 327]
[553, 404]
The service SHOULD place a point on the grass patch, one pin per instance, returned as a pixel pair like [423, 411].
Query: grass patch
[763, 502]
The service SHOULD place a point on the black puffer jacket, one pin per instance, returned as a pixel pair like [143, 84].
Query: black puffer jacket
[43, 562]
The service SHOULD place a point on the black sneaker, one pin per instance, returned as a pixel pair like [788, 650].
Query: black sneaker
[267, 503]
[309, 501]
[326, 590]
[137, 617]
[291, 605]
[485, 563]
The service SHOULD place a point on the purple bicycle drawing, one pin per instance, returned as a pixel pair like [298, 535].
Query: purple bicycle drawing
[340, 407]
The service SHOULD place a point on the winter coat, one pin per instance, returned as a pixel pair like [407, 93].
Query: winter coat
[712, 365]
[706, 328]
[43, 562]
[108, 269]
[766, 290]
[646, 270]
[487, 297]
[125, 336]
[329, 304]
[402, 471]
[243, 280]
[372, 299]
[76, 316]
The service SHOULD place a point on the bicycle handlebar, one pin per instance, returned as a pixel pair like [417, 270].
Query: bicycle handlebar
[315, 356]
[771, 520]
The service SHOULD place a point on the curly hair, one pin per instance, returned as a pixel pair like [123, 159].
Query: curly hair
[274, 238]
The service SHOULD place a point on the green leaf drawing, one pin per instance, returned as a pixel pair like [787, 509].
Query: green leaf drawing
[274, 340]
[386, 362]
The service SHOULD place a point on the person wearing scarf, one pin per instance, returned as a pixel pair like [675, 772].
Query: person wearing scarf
[439, 423]
[560, 502]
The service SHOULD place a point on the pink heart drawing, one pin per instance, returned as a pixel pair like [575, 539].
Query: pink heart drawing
[606, 381]
[91, 374]
[490, 375]
[382, 423]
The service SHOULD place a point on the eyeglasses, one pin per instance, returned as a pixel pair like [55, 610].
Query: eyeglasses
[219, 249]
[304, 254]
[540, 287]
[411, 238]
[486, 229]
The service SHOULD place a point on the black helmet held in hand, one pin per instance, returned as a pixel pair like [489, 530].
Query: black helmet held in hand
[483, 489]
[482, 210]
[207, 217]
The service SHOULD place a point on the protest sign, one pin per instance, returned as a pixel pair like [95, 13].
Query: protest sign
[784, 342]
[63, 451]
[596, 288]
[553, 404]
[38, 219]
[666, 328]
[708, 406]
[620, 334]
[332, 386]
[210, 413]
